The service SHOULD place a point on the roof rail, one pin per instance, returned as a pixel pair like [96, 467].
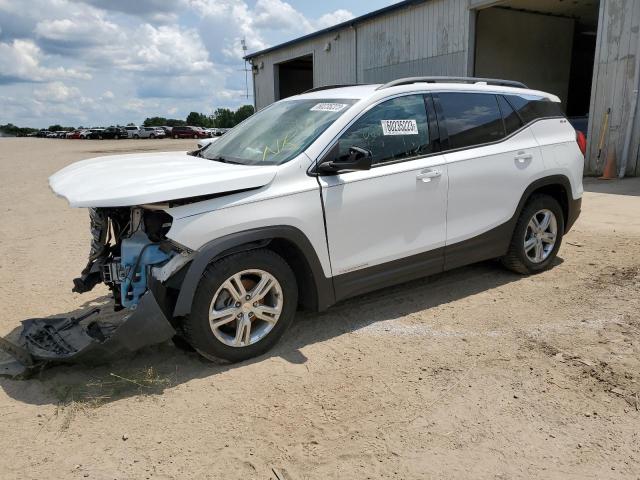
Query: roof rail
[488, 81]
[328, 87]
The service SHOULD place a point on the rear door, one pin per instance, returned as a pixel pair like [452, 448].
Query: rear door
[387, 224]
[491, 160]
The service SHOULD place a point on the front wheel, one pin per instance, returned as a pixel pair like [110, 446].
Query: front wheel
[537, 236]
[243, 305]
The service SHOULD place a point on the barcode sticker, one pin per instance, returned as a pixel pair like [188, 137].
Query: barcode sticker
[328, 107]
[399, 127]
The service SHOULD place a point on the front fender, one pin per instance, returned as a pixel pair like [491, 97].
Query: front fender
[247, 240]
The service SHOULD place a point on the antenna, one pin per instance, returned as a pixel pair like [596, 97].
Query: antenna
[246, 69]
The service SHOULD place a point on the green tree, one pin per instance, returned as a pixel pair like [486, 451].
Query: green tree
[242, 113]
[223, 118]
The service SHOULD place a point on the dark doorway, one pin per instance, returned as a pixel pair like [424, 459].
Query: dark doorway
[294, 76]
[547, 44]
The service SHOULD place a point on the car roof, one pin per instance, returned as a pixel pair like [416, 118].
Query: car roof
[373, 91]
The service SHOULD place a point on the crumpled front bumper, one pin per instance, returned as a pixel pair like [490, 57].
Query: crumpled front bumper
[45, 341]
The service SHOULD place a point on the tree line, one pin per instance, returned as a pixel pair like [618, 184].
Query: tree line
[221, 118]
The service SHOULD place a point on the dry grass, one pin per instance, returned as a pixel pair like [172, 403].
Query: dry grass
[82, 397]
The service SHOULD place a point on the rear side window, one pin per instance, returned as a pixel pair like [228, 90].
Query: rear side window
[511, 119]
[394, 130]
[471, 118]
[531, 107]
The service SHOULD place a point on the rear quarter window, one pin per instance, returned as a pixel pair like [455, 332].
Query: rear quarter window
[471, 118]
[531, 108]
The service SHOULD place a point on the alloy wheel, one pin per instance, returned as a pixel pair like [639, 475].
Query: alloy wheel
[245, 308]
[541, 235]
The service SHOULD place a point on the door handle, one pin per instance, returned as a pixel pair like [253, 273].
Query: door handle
[427, 175]
[522, 157]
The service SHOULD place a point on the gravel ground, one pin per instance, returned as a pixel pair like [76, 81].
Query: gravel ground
[476, 373]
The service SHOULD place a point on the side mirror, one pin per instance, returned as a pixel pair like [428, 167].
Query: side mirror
[357, 159]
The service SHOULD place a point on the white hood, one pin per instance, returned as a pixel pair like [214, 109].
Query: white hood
[136, 179]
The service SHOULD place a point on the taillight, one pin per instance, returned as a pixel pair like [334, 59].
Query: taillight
[581, 139]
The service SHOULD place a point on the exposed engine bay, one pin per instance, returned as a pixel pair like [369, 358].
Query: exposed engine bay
[126, 243]
[131, 254]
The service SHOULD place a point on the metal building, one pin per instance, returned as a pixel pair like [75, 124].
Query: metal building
[585, 51]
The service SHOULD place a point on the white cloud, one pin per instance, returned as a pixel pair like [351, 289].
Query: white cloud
[57, 92]
[142, 57]
[333, 18]
[21, 61]
[276, 15]
[165, 50]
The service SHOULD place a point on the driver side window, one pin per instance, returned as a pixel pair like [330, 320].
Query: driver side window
[394, 130]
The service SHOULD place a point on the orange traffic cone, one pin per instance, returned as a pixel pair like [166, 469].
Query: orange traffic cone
[610, 167]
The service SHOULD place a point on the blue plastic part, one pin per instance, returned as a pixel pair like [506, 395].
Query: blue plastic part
[135, 282]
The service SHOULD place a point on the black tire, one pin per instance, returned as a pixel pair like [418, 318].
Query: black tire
[196, 328]
[152, 136]
[136, 137]
[117, 137]
[195, 136]
[516, 258]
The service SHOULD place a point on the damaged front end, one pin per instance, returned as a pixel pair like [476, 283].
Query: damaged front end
[131, 254]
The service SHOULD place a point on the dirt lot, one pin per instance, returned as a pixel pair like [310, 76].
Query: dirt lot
[477, 373]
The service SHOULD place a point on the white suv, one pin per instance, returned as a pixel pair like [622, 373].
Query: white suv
[327, 195]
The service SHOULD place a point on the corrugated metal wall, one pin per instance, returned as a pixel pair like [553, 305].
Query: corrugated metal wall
[614, 79]
[433, 38]
[430, 38]
[336, 66]
[426, 39]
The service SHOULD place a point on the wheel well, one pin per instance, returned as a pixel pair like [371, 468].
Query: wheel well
[557, 191]
[307, 288]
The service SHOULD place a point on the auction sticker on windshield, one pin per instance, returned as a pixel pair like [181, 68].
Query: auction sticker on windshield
[399, 127]
[328, 107]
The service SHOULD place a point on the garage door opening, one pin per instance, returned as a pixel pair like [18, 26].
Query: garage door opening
[547, 44]
[294, 76]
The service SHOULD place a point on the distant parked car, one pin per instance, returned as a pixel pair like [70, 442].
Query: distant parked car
[188, 132]
[220, 131]
[52, 135]
[133, 131]
[42, 133]
[167, 130]
[74, 134]
[92, 133]
[151, 132]
[112, 133]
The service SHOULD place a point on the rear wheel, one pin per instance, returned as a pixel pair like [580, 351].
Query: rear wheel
[175, 136]
[537, 236]
[243, 305]
[195, 136]
[152, 136]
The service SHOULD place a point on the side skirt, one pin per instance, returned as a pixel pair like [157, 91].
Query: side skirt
[491, 244]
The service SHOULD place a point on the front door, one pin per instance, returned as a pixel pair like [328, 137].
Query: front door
[387, 224]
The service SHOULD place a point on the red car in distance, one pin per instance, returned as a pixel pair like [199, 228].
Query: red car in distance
[188, 132]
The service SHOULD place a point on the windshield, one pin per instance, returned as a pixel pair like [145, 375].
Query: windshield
[278, 133]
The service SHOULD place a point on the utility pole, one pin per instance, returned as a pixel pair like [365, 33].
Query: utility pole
[246, 70]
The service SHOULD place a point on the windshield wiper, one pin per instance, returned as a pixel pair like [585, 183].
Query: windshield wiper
[225, 160]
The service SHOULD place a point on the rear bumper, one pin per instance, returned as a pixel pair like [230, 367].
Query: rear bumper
[573, 213]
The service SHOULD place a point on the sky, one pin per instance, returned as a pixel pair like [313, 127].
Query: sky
[108, 62]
